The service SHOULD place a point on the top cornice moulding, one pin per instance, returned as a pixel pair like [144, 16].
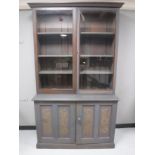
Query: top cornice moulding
[128, 4]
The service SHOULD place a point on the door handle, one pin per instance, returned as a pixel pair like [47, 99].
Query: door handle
[79, 119]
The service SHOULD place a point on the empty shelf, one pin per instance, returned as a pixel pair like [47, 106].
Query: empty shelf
[84, 55]
[54, 33]
[97, 33]
[95, 72]
[44, 56]
[56, 72]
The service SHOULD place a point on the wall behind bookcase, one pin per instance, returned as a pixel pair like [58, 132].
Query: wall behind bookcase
[125, 68]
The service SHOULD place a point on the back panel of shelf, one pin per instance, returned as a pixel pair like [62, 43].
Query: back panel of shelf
[54, 21]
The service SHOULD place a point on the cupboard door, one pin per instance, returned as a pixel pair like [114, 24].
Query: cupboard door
[97, 49]
[95, 122]
[56, 123]
[55, 53]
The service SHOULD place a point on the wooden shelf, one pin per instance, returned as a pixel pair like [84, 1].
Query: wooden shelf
[54, 33]
[51, 56]
[107, 56]
[56, 72]
[83, 56]
[95, 72]
[98, 33]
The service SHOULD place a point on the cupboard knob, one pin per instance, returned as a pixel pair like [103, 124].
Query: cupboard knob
[79, 119]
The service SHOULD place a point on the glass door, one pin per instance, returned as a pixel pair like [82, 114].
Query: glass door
[97, 36]
[55, 49]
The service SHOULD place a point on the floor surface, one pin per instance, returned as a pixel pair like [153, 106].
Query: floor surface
[124, 145]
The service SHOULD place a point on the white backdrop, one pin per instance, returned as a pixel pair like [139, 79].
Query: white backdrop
[125, 68]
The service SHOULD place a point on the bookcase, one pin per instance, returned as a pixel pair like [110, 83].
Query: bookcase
[75, 60]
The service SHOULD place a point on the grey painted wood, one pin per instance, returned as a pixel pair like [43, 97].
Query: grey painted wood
[74, 97]
[80, 138]
[55, 120]
[111, 125]
[71, 127]
[113, 121]
[78, 123]
[78, 112]
[55, 137]
[51, 138]
[96, 138]
[72, 122]
[37, 119]
[75, 146]
[96, 120]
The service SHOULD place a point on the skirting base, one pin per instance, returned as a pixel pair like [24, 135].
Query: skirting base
[75, 146]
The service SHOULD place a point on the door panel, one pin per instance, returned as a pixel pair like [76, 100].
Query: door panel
[56, 122]
[94, 122]
[105, 114]
[64, 121]
[88, 120]
[47, 121]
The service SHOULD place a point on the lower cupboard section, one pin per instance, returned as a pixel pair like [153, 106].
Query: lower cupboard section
[75, 124]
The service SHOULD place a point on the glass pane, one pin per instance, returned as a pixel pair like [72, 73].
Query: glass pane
[55, 49]
[54, 21]
[56, 81]
[97, 45]
[94, 64]
[53, 63]
[55, 44]
[95, 81]
[97, 32]
[97, 21]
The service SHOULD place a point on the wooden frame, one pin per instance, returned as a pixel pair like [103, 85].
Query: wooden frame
[75, 52]
[53, 107]
[95, 137]
[74, 55]
[75, 4]
[90, 9]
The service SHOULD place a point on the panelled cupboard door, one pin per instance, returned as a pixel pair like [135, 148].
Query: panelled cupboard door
[95, 122]
[55, 122]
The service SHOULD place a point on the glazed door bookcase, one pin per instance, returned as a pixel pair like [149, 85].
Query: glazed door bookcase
[65, 34]
[75, 62]
[55, 33]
